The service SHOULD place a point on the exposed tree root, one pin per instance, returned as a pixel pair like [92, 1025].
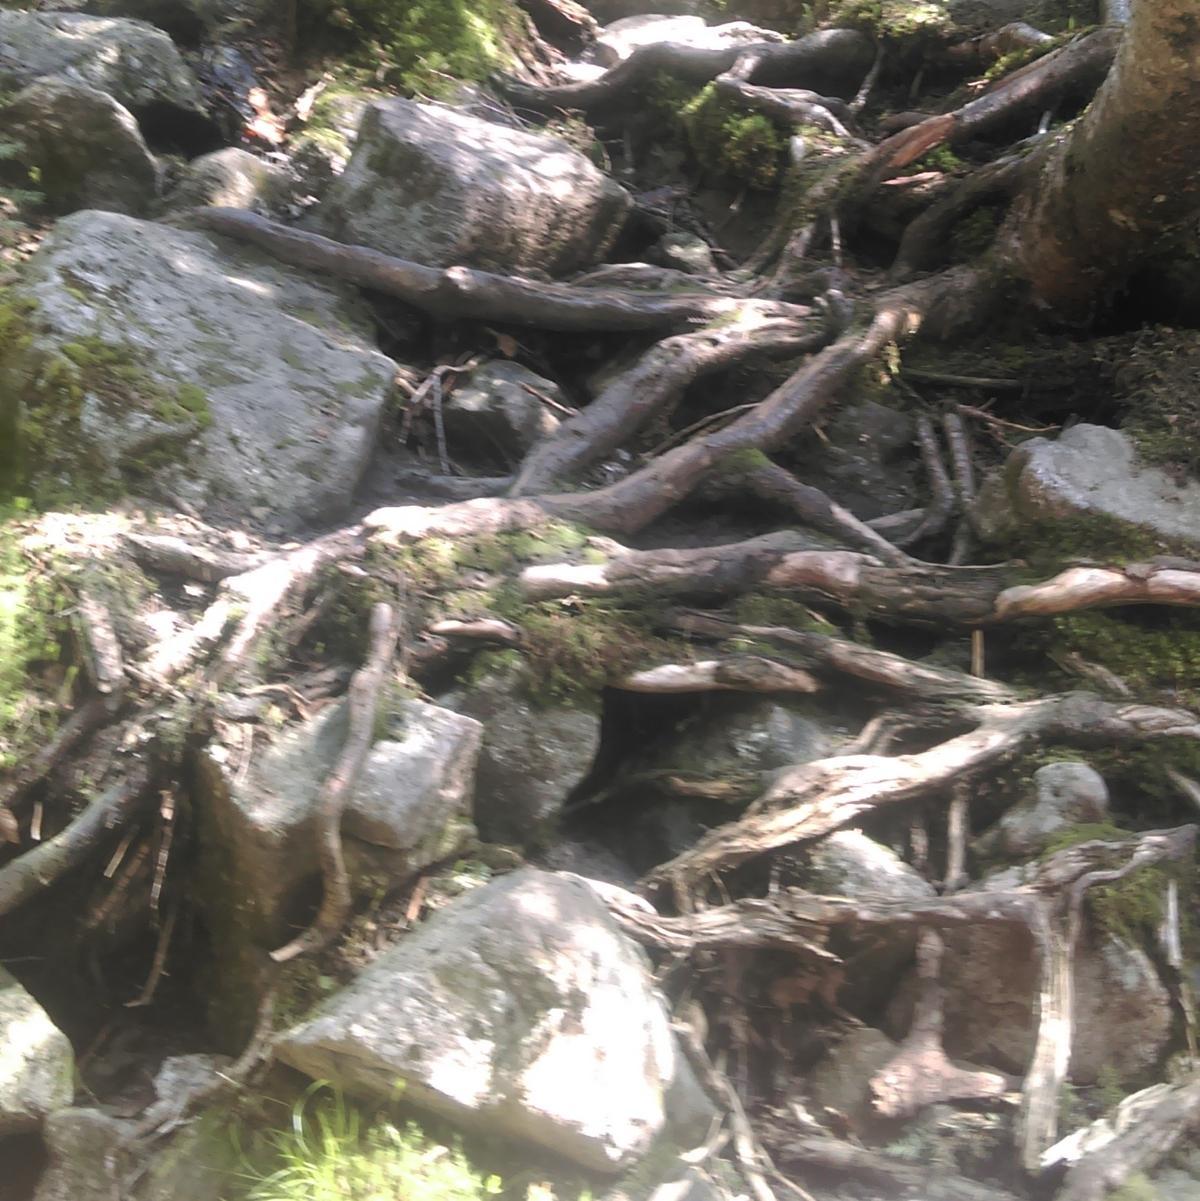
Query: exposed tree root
[807, 802]
[337, 790]
[458, 293]
[827, 61]
[653, 385]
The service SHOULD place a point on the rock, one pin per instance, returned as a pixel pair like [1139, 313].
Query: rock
[88, 1161]
[86, 148]
[1089, 477]
[620, 39]
[841, 1081]
[849, 864]
[532, 757]
[992, 982]
[133, 62]
[520, 1011]
[38, 1065]
[493, 409]
[688, 253]
[1067, 794]
[866, 459]
[411, 809]
[194, 367]
[434, 186]
[229, 178]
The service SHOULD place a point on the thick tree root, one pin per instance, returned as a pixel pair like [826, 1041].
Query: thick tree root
[459, 293]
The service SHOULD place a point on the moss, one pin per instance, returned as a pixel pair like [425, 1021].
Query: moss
[1163, 657]
[47, 388]
[1131, 908]
[28, 604]
[419, 45]
[754, 609]
[895, 20]
[730, 142]
[1159, 392]
[974, 235]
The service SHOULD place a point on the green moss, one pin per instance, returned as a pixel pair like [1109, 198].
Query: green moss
[419, 45]
[1132, 908]
[730, 142]
[1137, 1188]
[28, 604]
[1151, 659]
[1158, 389]
[896, 20]
[45, 390]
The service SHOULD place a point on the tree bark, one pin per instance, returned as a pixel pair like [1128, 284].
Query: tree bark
[1124, 176]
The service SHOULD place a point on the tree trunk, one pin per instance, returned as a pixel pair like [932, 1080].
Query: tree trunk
[1125, 175]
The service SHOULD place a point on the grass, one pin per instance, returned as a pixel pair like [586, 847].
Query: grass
[330, 1152]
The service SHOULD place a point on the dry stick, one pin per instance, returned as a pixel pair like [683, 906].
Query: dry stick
[24, 878]
[956, 840]
[963, 465]
[753, 1160]
[362, 702]
[920, 1074]
[653, 385]
[458, 293]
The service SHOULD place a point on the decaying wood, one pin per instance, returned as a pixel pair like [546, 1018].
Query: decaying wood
[362, 703]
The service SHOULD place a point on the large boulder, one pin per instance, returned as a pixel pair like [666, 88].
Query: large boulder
[1088, 488]
[521, 1011]
[155, 358]
[83, 148]
[133, 62]
[533, 754]
[411, 808]
[36, 1061]
[441, 188]
[88, 1153]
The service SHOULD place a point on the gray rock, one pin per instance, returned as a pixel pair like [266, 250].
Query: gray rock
[849, 864]
[88, 1158]
[532, 757]
[622, 37]
[135, 63]
[688, 253]
[197, 368]
[229, 178]
[87, 148]
[38, 1063]
[866, 459]
[494, 410]
[1067, 794]
[1090, 476]
[411, 809]
[437, 187]
[842, 1080]
[520, 1011]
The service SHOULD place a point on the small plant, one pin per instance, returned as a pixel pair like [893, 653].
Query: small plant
[329, 1153]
